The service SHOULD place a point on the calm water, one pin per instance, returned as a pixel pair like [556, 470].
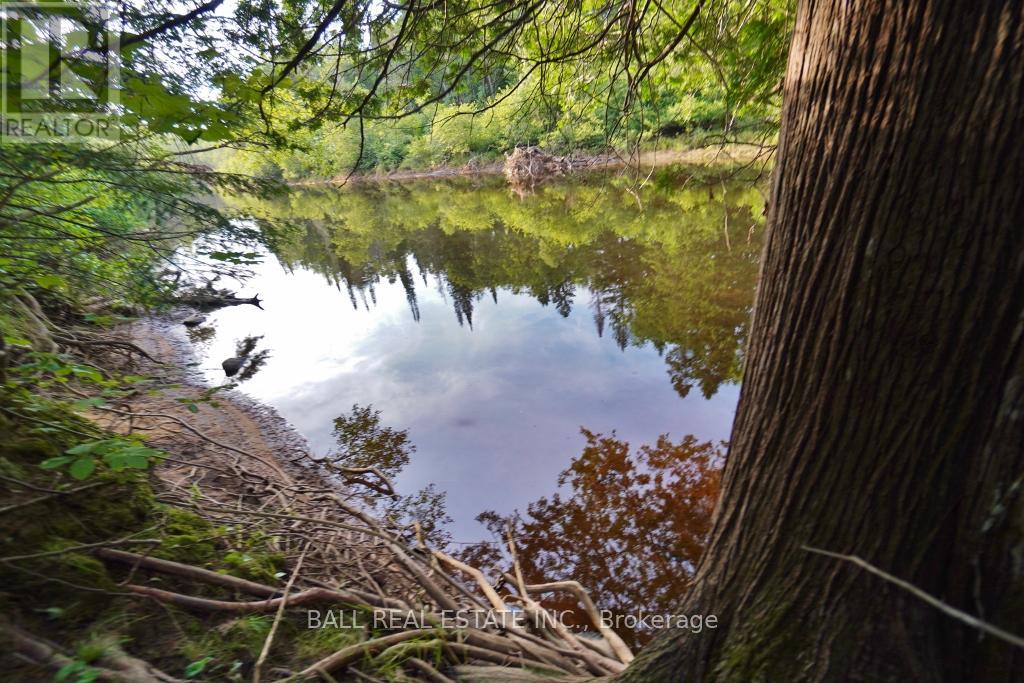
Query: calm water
[493, 327]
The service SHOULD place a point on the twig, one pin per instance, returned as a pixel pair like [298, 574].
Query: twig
[55, 494]
[187, 570]
[257, 669]
[428, 670]
[616, 643]
[943, 607]
[86, 546]
[255, 607]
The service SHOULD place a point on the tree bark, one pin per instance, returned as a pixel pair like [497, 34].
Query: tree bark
[882, 412]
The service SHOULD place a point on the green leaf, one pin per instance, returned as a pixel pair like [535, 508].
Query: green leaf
[88, 373]
[82, 468]
[49, 281]
[193, 408]
[138, 462]
[114, 462]
[88, 676]
[66, 670]
[87, 403]
[196, 668]
[86, 448]
[54, 463]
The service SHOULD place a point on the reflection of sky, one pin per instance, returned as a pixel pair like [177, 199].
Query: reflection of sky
[494, 411]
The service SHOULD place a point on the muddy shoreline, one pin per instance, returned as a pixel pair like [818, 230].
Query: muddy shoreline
[232, 417]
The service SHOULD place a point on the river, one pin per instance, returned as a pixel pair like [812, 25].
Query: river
[492, 326]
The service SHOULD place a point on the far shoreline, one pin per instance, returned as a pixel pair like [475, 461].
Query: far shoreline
[726, 155]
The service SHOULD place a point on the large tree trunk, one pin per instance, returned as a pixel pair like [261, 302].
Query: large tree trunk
[882, 412]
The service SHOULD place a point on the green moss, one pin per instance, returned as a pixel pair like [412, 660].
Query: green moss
[766, 648]
[187, 537]
[255, 565]
[76, 599]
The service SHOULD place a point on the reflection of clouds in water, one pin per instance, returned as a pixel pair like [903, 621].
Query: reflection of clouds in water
[494, 411]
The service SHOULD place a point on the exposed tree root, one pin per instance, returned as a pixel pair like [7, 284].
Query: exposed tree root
[96, 342]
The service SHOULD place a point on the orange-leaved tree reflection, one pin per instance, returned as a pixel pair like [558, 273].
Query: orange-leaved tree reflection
[629, 524]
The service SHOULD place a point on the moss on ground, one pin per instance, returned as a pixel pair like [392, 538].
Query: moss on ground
[73, 598]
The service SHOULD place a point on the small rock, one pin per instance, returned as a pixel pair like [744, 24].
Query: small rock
[194, 320]
[233, 365]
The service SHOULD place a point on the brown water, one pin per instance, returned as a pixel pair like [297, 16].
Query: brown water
[493, 327]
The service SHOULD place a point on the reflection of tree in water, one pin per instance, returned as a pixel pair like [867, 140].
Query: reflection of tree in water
[410, 292]
[254, 360]
[665, 274]
[364, 443]
[630, 526]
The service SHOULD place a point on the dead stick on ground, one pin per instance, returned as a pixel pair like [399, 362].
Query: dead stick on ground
[188, 571]
[347, 655]
[428, 670]
[257, 670]
[85, 546]
[492, 596]
[616, 643]
[272, 465]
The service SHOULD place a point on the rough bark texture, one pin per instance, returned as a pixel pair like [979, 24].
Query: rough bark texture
[882, 413]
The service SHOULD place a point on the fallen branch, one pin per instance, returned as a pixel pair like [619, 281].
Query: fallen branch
[270, 464]
[113, 343]
[84, 546]
[128, 669]
[256, 607]
[55, 494]
[428, 671]
[261, 660]
[616, 643]
[208, 300]
[353, 653]
[188, 571]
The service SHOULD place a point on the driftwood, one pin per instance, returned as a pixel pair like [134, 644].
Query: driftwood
[527, 165]
[208, 299]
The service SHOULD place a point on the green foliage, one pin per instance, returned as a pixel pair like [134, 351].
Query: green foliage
[76, 672]
[197, 667]
[117, 454]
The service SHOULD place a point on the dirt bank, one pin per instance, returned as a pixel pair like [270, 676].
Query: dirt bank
[234, 431]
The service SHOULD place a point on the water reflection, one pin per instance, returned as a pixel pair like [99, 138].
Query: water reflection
[492, 327]
[629, 525]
